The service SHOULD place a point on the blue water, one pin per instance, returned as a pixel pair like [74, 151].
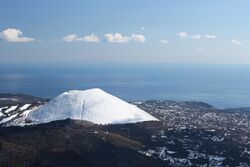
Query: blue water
[220, 85]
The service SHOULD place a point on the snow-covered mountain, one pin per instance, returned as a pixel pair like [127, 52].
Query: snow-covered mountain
[94, 105]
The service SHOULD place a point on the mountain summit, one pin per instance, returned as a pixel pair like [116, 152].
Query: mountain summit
[94, 105]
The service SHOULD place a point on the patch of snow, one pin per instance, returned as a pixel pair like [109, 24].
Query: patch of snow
[24, 107]
[171, 152]
[162, 153]
[153, 137]
[2, 108]
[216, 160]
[8, 118]
[94, 105]
[246, 151]
[20, 121]
[12, 108]
[25, 113]
[163, 137]
[211, 130]
[149, 153]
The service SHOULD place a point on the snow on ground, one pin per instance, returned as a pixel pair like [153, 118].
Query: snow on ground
[24, 107]
[2, 108]
[20, 121]
[8, 118]
[26, 112]
[94, 105]
[11, 109]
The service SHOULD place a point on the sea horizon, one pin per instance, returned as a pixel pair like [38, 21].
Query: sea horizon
[223, 86]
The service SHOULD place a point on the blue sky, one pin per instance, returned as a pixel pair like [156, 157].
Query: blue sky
[131, 31]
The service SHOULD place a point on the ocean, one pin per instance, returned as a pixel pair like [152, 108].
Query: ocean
[224, 86]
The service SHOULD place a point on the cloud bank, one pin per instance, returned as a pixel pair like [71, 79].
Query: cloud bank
[185, 35]
[91, 38]
[71, 38]
[74, 38]
[182, 34]
[119, 38]
[14, 35]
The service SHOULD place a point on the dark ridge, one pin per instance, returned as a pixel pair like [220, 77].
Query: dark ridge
[186, 103]
[69, 143]
[12, 99]
[241, 109]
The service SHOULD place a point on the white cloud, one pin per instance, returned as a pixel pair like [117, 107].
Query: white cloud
[119, 38]
[236, 42]
[183, 34]
[196, 36]
[164, 41]
[116, 38]
[71, 38]
[138, 38]
[210, 36]
[75, 37]
[14, 35]
[91, 38]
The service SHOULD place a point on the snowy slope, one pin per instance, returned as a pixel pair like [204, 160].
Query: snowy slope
[12, 108]
[94, 105]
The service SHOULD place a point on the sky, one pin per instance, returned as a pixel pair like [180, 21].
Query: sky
[118, 31]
